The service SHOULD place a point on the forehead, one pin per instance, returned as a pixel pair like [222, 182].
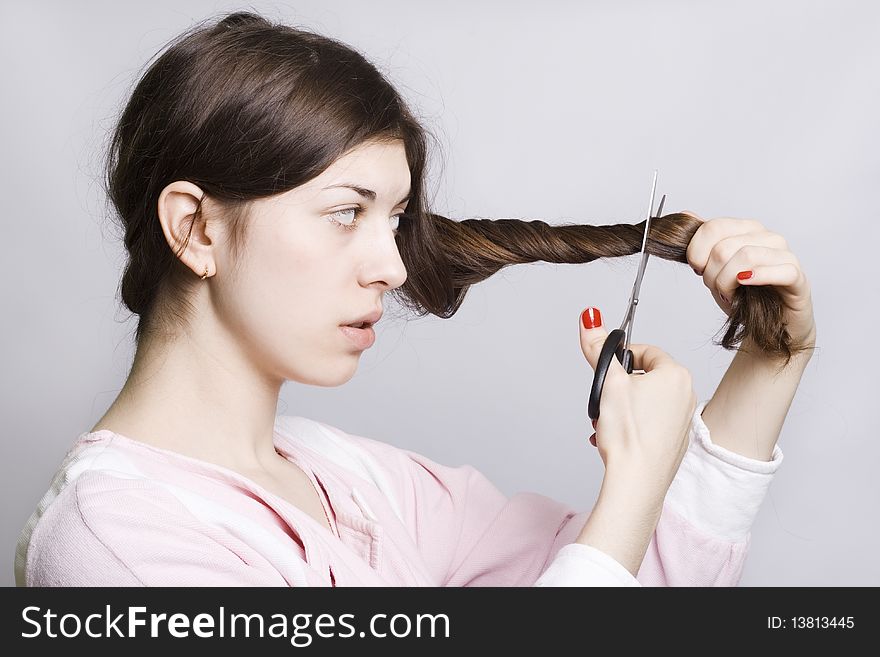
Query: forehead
[372, 164]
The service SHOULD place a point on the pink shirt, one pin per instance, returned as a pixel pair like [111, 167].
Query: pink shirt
[122, 513]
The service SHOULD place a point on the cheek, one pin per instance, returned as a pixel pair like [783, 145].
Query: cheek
[286, 301]
[287, 321]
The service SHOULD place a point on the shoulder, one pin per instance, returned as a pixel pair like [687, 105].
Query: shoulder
[97, 499]
[71, 542]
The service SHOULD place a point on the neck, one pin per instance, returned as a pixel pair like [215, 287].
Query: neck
[204, 398]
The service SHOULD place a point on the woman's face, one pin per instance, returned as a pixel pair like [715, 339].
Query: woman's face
[303, 276]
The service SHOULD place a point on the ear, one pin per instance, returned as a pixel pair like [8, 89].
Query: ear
[177, 205]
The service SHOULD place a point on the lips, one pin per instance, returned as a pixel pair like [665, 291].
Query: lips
[362, 338]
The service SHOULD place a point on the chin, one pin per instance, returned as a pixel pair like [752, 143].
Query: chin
[331, 377]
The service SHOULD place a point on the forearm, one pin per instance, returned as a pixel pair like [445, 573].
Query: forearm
[747, 411]
[623, 521]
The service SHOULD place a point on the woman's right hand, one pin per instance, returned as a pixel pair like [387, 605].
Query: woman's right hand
[644, 418]
[642, 437]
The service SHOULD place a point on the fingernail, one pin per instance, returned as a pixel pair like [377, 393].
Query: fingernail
[593, 440]
[697, 272]
[591, 318]
[743, 275]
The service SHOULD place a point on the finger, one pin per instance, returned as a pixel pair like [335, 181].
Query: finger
[776, 266]
[787, 277]
[592, 334]
[648, 357]
[730, 247]
[712, 232]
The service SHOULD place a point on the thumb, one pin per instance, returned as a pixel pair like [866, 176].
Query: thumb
[592, 335]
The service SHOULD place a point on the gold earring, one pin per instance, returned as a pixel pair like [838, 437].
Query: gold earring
[206, 273]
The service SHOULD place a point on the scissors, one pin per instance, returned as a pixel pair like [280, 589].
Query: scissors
[618, 341]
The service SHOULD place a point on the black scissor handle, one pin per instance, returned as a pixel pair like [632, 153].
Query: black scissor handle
[613, 347]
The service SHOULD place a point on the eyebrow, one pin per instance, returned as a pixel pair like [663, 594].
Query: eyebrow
[366, 193]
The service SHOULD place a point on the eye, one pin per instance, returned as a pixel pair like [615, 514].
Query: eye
[355, 213]
[341, 213]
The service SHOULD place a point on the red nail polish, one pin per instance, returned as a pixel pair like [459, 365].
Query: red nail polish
[591, 318]
[743, 275]
[593, 440]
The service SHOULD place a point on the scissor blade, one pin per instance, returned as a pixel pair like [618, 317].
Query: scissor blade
[634, 299]
[643, 263]
[660, 208]
[650, 211]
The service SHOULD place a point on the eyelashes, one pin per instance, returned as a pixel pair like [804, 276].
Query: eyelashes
[358, 210]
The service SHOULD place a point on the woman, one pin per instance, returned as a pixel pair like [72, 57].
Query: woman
[270, 183]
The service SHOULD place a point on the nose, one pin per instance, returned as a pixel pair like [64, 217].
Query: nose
[383, 261]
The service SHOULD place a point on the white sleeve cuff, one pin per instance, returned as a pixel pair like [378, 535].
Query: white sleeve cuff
[717, 490]
[577, 564]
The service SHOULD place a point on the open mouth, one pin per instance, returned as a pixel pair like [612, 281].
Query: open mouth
[361, 334]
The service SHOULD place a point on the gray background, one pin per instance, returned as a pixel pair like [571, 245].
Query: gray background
[559, 112]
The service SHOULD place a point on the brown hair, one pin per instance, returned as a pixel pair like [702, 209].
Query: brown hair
[246, 109]
[480, 247]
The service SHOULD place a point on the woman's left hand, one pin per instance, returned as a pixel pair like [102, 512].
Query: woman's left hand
[729, 252]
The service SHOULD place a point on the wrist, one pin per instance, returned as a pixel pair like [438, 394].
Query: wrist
[634, 485]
